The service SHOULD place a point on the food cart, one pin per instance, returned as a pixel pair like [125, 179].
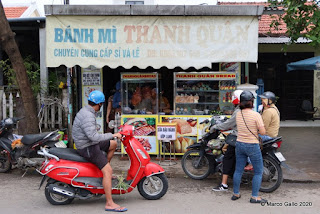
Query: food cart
[197, 96]
[140, 107]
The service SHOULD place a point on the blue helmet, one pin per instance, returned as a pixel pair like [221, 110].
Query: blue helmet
[96, 97]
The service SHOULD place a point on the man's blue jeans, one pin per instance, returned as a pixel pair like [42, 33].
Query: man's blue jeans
[243, 151]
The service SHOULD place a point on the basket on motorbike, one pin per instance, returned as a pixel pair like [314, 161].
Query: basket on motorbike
[216, 146]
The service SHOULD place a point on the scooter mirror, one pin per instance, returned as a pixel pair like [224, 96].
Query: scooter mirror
[112, 124]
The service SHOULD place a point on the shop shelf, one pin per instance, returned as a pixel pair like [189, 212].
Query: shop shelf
[197, 103]
[197, 91]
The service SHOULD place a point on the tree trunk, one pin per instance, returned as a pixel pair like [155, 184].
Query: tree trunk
[9, 45]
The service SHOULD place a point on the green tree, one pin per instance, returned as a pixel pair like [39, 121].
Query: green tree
[302, 18]
[33, 73]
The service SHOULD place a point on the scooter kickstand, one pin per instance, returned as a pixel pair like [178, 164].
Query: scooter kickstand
[24, 173]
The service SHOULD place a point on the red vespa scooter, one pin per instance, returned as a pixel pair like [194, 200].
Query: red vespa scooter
[71, 176]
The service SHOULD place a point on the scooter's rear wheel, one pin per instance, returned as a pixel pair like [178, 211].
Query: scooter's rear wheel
[56, 199]
[272, 175]
[153, 187]
[5, 164]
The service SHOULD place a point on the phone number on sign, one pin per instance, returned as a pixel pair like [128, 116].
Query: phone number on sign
[287, 204]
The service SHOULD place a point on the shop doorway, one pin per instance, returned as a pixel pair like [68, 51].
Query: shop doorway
[291, 87]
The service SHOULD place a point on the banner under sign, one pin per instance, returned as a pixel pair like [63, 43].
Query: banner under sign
[155, 41]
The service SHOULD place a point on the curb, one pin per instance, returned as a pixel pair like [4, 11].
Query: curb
[300, 181]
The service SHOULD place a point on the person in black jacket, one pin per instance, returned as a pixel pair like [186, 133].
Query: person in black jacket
[229, 159]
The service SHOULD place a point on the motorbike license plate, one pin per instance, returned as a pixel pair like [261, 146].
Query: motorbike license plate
[279, 156]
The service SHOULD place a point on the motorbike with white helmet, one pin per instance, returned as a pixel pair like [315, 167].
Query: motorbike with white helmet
[205, 157]
[200, 160]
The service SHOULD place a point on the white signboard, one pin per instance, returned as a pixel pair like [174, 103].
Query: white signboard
[166, 133]
[92, 80]
[157, 41]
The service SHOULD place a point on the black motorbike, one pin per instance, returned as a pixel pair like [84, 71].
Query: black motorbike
[22, 153]
[202, 158]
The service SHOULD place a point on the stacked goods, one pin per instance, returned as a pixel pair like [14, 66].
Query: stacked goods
[183, 98]
[182, 143]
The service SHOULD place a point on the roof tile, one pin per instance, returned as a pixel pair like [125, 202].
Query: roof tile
[14, 12]
[265, 20]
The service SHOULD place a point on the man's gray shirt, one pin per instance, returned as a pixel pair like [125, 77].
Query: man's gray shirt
[230, 123]
[84, 130]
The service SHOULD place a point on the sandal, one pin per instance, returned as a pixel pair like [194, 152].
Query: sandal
[234, 197]
[258, 201]
[249, 167]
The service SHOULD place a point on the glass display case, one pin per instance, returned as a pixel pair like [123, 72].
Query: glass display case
[139, 93]
[204, 93]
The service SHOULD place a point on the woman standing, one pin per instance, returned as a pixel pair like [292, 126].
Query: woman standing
[249, 124]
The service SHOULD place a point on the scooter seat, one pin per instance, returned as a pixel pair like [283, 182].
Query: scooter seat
[272, 140]
[67, 154]
[32, 138]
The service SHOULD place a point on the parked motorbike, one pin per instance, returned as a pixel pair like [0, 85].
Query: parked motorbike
[22, 154]
[71, 176]
[201, 160]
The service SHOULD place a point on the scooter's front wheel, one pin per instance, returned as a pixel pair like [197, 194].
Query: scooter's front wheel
[153, 187]
[195, 166]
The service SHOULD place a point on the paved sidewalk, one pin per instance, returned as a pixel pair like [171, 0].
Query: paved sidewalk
[300, 147]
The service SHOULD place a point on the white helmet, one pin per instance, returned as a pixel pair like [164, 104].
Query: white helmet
[236, 97]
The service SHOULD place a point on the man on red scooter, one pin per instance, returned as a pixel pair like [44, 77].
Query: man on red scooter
[90, 144]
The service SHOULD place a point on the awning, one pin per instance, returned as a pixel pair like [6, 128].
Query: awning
[144, 40]
[307, 64]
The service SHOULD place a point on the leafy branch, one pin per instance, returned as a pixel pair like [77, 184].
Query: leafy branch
[302, 18]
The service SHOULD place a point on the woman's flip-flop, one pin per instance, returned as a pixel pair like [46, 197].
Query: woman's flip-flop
[234, 197]
[117, 209]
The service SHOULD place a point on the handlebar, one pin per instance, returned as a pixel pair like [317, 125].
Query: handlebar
[205, 121]
[16, 119]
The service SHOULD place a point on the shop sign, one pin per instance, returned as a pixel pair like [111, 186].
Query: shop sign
[167, 131]
[231, 67]
[157, 41]
[216, 75]
[91, 78]
[138, 76]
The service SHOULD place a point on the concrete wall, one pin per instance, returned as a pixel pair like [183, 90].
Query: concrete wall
[146, 2]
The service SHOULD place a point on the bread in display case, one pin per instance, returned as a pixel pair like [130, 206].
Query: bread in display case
[204, 93]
